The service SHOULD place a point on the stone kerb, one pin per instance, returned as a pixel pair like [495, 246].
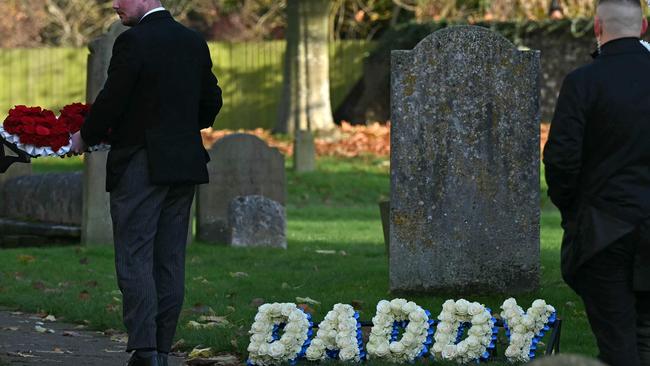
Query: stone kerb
[464, 213]
[240, 165]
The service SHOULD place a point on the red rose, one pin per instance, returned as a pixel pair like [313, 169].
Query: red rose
[42, 131]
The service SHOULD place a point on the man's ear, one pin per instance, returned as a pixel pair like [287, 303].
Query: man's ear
[598, 26]
[644, 25]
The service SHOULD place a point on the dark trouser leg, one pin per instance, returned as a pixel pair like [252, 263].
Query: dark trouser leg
[605, 285]
[135, 209]
[169, 262]
[643, 327]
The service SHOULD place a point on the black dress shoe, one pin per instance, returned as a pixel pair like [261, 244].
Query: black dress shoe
[144, 361]
[162, 359]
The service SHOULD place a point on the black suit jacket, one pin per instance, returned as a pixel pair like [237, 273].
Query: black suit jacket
[597, 157]
[159, 94]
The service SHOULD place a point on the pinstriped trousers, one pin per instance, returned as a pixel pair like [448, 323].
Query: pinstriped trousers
[150, 226]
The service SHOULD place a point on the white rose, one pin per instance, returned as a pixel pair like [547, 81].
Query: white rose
[461, 347]
[514, 321]
[445, 327]
[397, 304]
[297, 316]
[442, 339]
[539, 303]
[258, 327]
[348, 325]
[258, 338]
[472, 342]
[437, 347]
[516, 338]
[313, 354]
[264, 349]
[481, 318]
[382, 350]
[461, 306]
[344, 342]
[260, 317]
[449, 352]
[287, 309]
[396, 347]
[330, 316]
[512, 313]
[383, 307]
[550, 309]
[418, 316]
[253, 348]
[347, 354]
[276, 349]
[519, 328]
[528, 322]
[509, 303]
[475, 308]
[409, 307]
[408, 339]
[449, 306]
[293, 327]
[512, 351]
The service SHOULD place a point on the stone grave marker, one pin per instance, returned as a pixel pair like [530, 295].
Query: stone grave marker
[240, 165]
[464, 208]
[257, 221]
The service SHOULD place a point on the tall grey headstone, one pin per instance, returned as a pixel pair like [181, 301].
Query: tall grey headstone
[465, 164]
[240, 165]
[96, 224]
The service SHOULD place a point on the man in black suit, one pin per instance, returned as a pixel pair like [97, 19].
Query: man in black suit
[160, 92]
[597, 162]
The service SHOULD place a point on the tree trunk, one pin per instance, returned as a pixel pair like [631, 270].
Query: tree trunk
[305, 101]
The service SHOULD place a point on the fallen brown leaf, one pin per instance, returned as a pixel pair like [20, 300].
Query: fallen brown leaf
[26, 259]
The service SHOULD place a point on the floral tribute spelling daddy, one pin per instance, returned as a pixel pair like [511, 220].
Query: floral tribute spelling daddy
[339, 334]
[38, 132]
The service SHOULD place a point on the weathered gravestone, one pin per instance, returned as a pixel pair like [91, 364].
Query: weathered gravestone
[96, 222]
[464, 165]
[257, 221]
[241, 165]
[41, 209]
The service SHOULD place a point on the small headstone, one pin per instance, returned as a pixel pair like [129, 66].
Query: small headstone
[241, 165]
[304, 152]
[46, 198]
[465, 165]
[256, 221]
[97, 227]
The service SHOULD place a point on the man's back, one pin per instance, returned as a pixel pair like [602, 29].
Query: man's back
[159, 94]
[599, 147]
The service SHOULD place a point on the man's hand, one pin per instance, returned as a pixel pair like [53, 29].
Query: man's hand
[78, 144]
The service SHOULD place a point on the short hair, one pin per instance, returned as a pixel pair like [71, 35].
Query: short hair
[621, 17]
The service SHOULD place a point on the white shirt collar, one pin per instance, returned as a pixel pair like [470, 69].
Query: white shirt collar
[160, 8]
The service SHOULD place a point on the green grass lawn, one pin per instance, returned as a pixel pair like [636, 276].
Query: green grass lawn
[333, 209]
